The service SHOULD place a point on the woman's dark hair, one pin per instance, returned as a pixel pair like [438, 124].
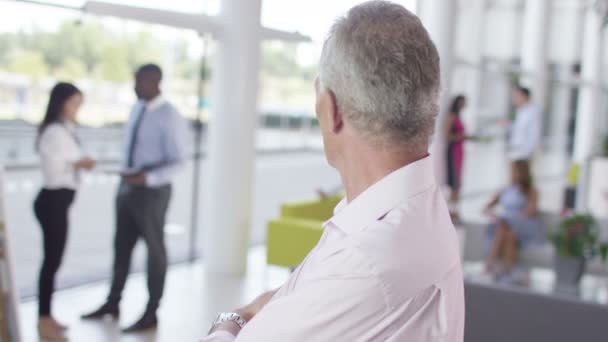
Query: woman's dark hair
[456, 106]
[61, 92]
[525, 180]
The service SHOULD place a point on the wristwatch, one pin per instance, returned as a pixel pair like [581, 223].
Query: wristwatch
[228, 317]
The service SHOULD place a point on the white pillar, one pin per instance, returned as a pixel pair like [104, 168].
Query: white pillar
[439, 18]
[563, 97]
[589, 102]
[562, 108]
[227, 204]
[535, 44]
[475, 85]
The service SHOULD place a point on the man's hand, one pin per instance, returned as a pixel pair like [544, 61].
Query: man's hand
[136, 179]
[86, 163]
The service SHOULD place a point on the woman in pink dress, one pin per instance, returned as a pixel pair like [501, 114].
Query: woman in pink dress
[456, 136]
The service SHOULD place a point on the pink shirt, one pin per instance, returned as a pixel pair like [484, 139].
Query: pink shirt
[387, 268]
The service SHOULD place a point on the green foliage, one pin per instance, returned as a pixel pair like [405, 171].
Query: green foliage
[6, 43]
[71, 69]
[29, 63]
[190, 69]
[142, 47]
[92, 39]
[576, 236]
[604, 251]
[279, 59]
[90, 49]
[605, 147]
[514, 77]
[77, 50]
[113, 66]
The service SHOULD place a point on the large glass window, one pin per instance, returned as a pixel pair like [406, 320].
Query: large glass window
[41, 45]
[99, 55]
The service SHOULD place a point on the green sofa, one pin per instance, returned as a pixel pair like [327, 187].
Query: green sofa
[291, 236]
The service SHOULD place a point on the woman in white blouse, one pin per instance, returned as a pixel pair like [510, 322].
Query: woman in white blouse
[61, 161]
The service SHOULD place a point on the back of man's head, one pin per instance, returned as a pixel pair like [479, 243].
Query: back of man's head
[383, 68]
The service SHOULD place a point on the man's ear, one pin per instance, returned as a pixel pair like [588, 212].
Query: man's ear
[336, 119]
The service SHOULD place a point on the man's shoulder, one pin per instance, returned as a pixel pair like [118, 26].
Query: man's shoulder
[421, 219]
[532, 111]
[414, 244]
[168, 108]
[167, 112]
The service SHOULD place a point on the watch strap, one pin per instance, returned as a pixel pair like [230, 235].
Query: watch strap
[229, 317]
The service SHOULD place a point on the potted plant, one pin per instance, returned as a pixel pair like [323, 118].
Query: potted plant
[575, 241]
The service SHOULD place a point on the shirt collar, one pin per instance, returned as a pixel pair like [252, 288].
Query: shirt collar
[375, 202]
[69, 124]
[155, 103]
[526, 107]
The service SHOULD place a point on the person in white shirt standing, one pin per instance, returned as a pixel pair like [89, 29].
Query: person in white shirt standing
[387, 267]
[526, 130]
[61, 160]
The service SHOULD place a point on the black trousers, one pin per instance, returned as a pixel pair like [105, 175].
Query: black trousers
[140, 213]
[51, 208]
[453, 179]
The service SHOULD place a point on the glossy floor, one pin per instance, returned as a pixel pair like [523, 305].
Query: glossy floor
[191, 302]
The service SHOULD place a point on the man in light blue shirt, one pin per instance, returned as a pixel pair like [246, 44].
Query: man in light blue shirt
[527, 129]
[154, 150]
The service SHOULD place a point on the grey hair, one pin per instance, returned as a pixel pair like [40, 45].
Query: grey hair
[383, 68]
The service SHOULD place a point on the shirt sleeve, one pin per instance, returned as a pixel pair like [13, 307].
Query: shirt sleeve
[343, 301]
[219, 336]
[348, 302]
[174, 142]
[527, 135]
[55, 163]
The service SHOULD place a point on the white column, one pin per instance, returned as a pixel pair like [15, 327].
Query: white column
[589, 102]
[562, 108]
[534, 49]
[439, 18]
[475, 84]
[231, 152]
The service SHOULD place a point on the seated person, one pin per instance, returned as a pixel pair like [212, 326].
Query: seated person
[516, 223]
[387, 267]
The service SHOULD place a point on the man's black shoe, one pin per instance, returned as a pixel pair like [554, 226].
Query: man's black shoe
[147, 322]
[103, 311]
